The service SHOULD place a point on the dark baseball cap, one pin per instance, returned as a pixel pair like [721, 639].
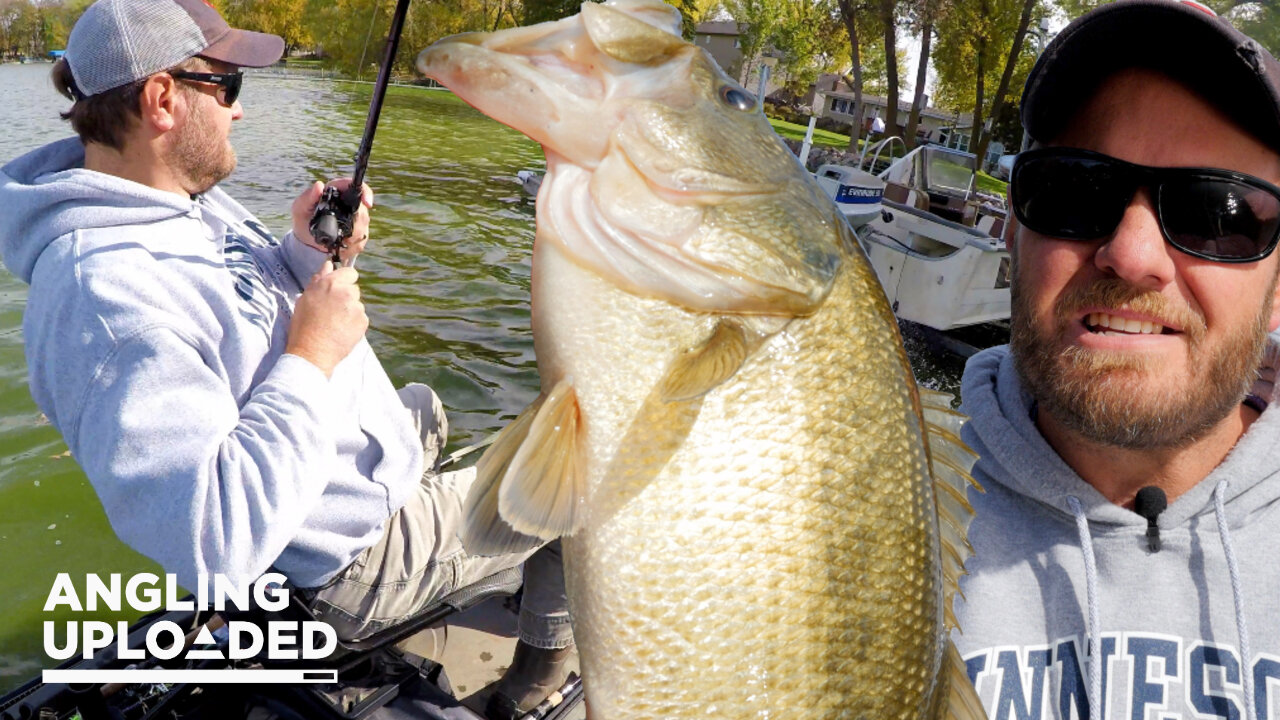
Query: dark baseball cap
[1184, 40]
[116, 42]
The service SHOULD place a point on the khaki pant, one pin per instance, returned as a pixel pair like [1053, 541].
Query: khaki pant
[420, 558]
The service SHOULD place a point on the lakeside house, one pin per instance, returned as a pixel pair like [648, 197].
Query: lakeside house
[833, 98]
[722, 38]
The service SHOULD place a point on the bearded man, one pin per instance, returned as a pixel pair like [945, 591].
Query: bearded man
[1146, 216]
[214, 382]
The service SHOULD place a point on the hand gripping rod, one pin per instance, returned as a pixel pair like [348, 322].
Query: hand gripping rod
[331, 223]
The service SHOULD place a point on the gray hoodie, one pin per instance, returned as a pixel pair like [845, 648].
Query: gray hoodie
[1057, 566]
[155, 330]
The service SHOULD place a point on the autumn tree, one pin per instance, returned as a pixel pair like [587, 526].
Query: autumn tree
[922, 17]
[758, 23]
[1011, 62]
[981, 48]
[809, 41]
[23, 28]
[858, 17]
[286, 18]
[536, 11]
[888, 15]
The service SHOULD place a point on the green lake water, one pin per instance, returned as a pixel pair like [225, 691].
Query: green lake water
[445, 281]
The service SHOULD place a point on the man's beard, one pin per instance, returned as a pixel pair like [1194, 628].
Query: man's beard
[1096, 393]
[199, 156]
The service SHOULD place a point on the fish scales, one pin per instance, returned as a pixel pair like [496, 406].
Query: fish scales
[728, 434]
[759, 567]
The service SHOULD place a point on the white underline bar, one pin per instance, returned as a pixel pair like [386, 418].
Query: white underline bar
[162, 675]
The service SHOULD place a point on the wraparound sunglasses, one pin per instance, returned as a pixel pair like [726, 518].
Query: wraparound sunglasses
[1213, 214]
[230, 82]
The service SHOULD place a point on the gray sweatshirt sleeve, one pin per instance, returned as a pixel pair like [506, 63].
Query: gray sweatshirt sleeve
[188, 478]
[302, 260]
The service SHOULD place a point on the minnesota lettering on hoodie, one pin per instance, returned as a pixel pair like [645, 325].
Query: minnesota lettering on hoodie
[1191, 631]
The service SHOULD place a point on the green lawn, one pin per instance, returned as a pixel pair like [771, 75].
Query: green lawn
[986, 183]
[793, 131]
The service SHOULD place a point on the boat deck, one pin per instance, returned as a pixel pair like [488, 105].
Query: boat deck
[475, 648]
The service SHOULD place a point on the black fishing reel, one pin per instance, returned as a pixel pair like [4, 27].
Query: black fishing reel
[333, 219]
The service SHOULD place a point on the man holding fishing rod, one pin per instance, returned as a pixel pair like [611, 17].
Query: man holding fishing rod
[1125, 548]
[213, 382]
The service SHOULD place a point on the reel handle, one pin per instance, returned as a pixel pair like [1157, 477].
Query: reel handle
[331, 223]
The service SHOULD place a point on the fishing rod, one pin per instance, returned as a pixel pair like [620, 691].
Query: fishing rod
[331, 223]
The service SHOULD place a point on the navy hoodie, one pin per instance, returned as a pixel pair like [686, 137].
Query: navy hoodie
[1166, 623]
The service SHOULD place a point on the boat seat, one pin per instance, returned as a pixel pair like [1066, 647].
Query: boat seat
[373, 671]
[903, 195]
[991, 225]
[896, 192]
[502, 583]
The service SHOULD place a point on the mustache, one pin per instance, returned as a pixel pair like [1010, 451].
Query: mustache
[1120, 295]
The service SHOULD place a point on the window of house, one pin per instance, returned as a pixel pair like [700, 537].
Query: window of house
[737, 43]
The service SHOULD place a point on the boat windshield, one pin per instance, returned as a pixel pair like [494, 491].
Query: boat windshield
[949, 171]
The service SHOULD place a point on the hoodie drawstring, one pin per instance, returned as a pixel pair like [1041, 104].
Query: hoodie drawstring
[1095, 613]
[1237, 595]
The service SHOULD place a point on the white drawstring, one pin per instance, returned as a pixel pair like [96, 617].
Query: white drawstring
[1242, 631]
[1095, 613]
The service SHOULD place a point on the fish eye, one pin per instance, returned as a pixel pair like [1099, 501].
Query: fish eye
[738, 98]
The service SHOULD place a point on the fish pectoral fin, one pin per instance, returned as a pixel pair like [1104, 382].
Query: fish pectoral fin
[950, 462]
[543, 489]
[700, 369]
[485, 532]
[959, 700]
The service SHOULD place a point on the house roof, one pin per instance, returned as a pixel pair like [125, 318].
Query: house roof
[718, 27]
[904, 105]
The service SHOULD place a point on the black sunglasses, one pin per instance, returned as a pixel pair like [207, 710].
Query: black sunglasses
[230, 82]
[1213, 214]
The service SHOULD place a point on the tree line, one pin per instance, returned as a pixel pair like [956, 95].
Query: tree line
[980, 50]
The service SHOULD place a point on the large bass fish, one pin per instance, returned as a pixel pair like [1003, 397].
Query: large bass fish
[765, 518]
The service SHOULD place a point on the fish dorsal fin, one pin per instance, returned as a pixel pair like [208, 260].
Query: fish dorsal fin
[957, 698]
[950, 461]
[543, 487]
[700, 369]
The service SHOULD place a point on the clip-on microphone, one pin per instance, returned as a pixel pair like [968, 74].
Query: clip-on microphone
[1149, 503]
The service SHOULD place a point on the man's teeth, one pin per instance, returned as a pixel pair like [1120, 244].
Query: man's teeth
[1102, 321]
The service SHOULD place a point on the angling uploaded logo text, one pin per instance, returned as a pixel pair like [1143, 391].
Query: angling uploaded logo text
[231, 638]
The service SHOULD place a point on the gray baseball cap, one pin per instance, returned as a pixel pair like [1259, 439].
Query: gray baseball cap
[1184, 40]
[117, 42]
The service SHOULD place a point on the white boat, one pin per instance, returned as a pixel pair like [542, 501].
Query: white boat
[937, 245]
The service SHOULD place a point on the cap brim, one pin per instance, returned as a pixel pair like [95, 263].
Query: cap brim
[246, 48]
[1221, 64]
